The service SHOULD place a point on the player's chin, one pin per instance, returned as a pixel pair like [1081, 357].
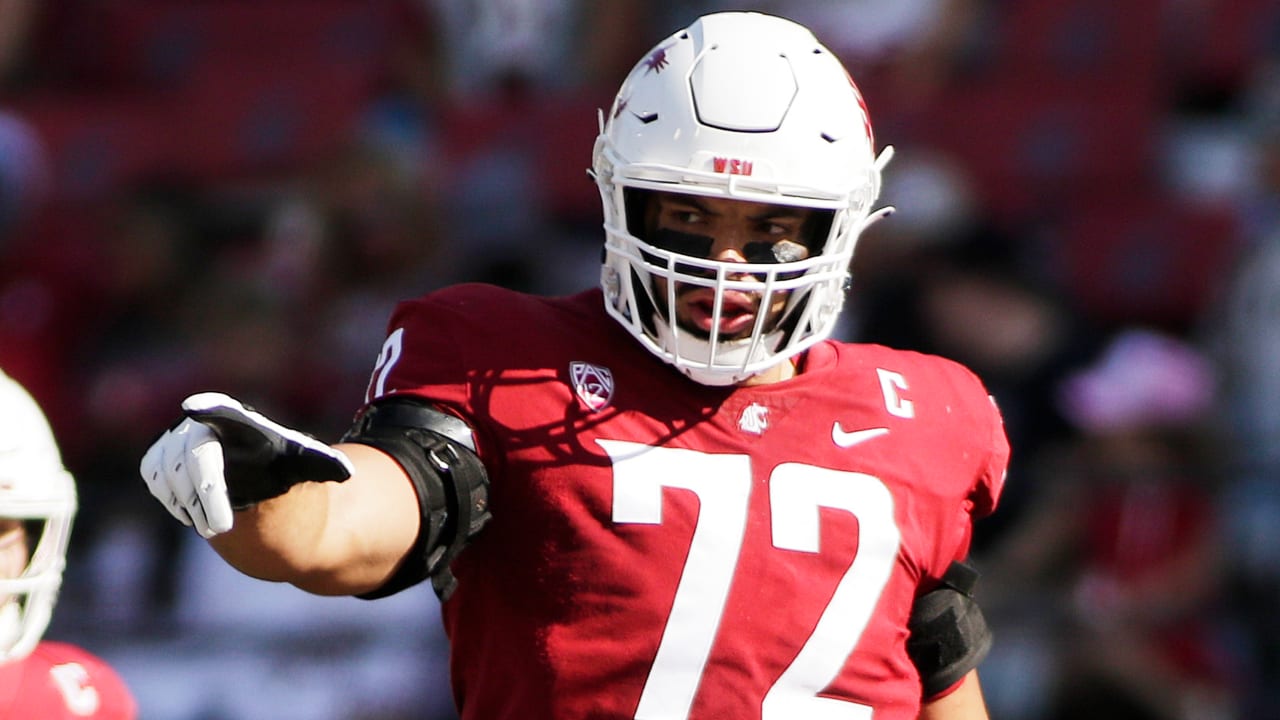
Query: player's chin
[705, 334]
[698, 321]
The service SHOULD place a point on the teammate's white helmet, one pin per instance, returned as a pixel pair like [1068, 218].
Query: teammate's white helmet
[37, 489]
[738, 105]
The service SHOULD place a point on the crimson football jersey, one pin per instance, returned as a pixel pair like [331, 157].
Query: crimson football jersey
[63, 682]
[664, 549]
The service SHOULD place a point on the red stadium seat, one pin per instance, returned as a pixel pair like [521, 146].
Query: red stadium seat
[558, 129]
[1145, 260]
[1101, 39]
[238, 117]
[162, 44]
[98, 143]
[1028, 143]
[1225, 41]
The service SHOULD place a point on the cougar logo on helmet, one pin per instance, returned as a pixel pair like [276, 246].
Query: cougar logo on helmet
[657, 60]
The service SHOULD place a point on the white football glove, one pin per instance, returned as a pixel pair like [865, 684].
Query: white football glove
[225, 456]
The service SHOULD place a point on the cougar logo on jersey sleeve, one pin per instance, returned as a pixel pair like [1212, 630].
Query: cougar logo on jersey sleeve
[754, 419]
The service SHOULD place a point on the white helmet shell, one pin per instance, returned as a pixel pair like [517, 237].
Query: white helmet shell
[37, 489]
[746, 106]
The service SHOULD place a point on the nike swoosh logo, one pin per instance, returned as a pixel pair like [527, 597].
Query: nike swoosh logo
[849, 439]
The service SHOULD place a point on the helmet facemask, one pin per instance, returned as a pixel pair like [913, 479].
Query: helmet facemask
[32, 561]
[788, 288]
[799, 138]
[37, 507]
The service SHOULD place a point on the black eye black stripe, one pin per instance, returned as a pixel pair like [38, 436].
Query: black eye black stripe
[699, 246]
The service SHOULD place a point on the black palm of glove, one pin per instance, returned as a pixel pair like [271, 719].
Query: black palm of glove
[262, 458]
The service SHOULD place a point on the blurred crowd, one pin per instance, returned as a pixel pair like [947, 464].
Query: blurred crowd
[231, 194]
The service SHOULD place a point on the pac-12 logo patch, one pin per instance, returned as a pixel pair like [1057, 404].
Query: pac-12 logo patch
[592, 384]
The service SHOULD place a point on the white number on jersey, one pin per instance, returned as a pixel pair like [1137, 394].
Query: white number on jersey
[387, 359]
[722, 483]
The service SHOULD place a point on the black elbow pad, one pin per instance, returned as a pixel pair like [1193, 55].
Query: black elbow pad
[436, 450]
[949, 635]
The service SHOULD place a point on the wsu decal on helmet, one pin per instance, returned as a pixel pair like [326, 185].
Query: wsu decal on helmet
[732, 166]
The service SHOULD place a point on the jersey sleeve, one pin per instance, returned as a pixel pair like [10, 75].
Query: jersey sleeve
[432, 351]
[423, 357]
[425, 352]
[977, 426]
[990, 483]
[456, 349]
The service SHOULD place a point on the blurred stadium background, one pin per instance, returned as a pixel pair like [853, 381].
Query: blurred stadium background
[232, 194]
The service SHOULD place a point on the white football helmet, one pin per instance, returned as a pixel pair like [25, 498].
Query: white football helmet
[36, 489]
[747, 106]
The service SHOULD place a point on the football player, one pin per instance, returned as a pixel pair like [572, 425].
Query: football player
[41, 679]
[672, 496]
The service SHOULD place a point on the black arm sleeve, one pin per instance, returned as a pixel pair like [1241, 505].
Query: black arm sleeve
[436, 450]
[949, 635]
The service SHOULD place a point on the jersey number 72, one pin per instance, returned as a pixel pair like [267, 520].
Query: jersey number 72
[722, 483]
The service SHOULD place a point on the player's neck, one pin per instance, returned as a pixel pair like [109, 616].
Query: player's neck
[784, 370]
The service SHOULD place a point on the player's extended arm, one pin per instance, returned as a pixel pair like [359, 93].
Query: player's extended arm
[367, 517]
[963, 703]
[328, 538]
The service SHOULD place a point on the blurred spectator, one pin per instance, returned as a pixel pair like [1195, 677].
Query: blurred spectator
[1245, 331]
[351, 238]
[132, 335]
[32, 315]
[17, 18]
[1109, 592]
[23, 174]
[513, 46]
